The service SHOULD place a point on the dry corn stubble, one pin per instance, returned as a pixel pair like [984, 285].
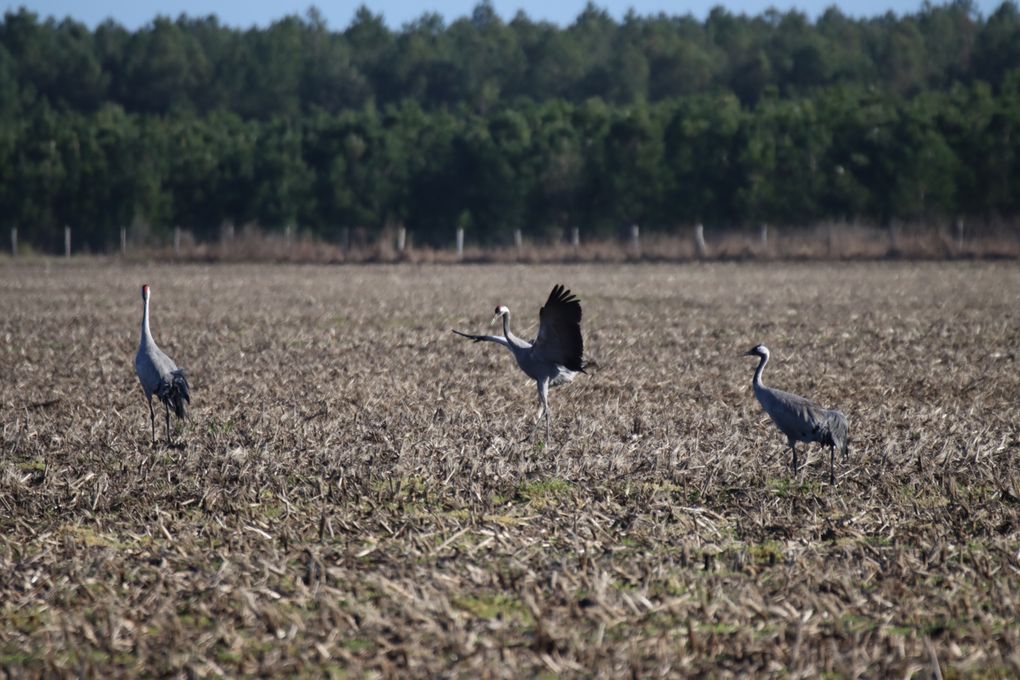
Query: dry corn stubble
[353, 495]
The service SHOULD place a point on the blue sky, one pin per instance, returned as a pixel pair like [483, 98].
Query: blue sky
[244, 13]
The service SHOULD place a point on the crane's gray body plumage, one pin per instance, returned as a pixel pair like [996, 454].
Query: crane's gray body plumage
[556, 355]
[159, 375]
[800, 419]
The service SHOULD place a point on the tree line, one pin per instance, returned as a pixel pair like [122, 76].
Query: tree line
[493, 126]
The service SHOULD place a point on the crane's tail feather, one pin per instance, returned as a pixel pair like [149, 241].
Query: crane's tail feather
[176, 393]
[839, 431]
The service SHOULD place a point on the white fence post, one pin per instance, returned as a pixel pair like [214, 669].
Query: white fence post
[123, 241]
[763, 235]
[14, 241]
[699, 240]
[959, 235]
[401, 239]
[177, 241]
[460, 243]
[518, 240]
[67, 241]
[288, 235]
[226, 237]
[635, 239]
[575, 237]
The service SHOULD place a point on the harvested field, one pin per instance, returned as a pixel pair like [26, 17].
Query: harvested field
[353, 496]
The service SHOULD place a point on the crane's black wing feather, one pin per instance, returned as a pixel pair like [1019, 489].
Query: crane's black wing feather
[175, 392]
[480, 338]
[559, 330]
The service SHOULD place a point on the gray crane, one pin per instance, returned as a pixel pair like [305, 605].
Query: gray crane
[556, 356]
[159, 375]
[799, 419]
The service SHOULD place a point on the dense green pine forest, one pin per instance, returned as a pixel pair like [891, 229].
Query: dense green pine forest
[494, 125]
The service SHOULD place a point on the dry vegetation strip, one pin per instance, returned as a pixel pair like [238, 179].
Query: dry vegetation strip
[354, 496]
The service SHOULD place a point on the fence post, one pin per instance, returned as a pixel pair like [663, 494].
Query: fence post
[226, 243]
[518, 241]
[575, 238]
[959, 235]
[14, 241]
[123, 241]
[460, 243]
[401, 239]
[288, 235]
[699, 240]
[763, 235]
[177, 241]
[635, 240]
[67, 241]
[893, 239]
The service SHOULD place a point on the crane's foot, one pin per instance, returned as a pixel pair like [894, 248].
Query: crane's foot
[532, 439]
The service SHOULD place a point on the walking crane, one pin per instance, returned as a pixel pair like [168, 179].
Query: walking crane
[800, 419]
[159, 375]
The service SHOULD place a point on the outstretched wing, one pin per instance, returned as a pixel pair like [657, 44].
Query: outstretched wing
[486, 338]
[559, 330]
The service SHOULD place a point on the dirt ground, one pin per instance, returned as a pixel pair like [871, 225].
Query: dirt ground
[356, 493]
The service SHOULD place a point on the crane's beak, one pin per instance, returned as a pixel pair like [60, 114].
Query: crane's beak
[494, 318]
[749, 353]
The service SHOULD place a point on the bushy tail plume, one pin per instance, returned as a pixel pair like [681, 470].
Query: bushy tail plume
[839, 431]
[176, 393]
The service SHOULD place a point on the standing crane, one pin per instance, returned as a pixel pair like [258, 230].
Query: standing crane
[159, 375]
[556, 356]
[799, 419]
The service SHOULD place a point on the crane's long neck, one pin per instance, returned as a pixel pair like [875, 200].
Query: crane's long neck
[758, 384]
[146, 335]
[515, 342]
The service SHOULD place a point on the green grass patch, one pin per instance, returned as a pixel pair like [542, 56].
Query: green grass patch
[16, 658]
[93, 539]
[228, 656]
[719, 628]
[359, 645]
[901, 631]
[196, 621]
[499, 606]
[768, 553]
[545, 490]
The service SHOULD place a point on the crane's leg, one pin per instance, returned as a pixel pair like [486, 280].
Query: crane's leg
[152, 419]
[167, 407]
[832, 465]
[544, 396]
[543, 407]
[793, 447]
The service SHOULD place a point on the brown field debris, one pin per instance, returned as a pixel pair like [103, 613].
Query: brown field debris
[353, 497]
